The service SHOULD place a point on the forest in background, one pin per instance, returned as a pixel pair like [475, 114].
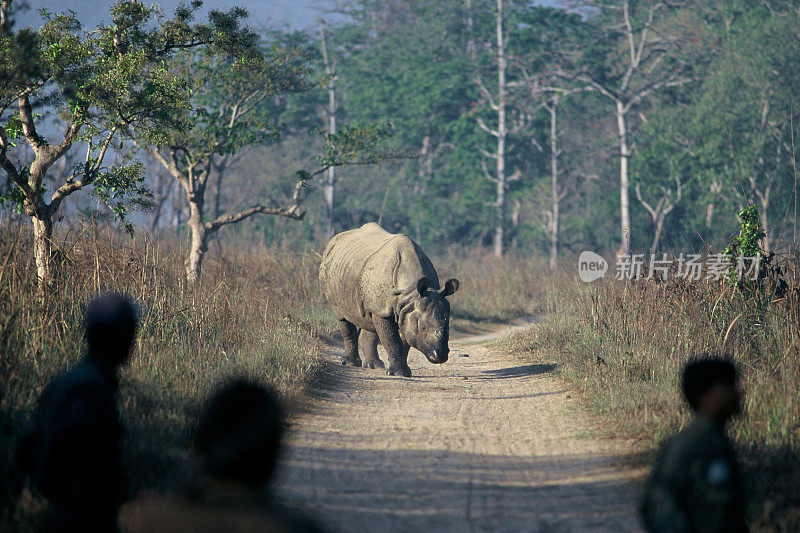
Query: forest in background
[541, 123]
[479, 128]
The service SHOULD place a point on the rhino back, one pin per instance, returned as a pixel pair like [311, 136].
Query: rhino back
[363, 268]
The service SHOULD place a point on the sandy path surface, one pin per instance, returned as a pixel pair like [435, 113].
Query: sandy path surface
[481, 443]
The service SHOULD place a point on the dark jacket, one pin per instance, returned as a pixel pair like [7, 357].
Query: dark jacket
[73, 452]
[695, 485]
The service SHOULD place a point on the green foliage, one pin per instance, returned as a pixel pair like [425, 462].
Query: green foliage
[234, 98]
[358, 144]
[122, 189]
[747, 244]
[110, 83]
[12, 198]
[172, 83]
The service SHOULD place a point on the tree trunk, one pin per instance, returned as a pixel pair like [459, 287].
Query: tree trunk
[43, 247]
[178, 211]
[198, 242]
[330, 115]
[330, 180]
[556, 198]
[659, 227]
[500, 216]
[515, 221]
[624, 182]
[765, 225]
[709, 214]
[218, 186]
[471, 49]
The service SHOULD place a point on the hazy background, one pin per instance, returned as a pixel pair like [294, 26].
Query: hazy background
[296, 14]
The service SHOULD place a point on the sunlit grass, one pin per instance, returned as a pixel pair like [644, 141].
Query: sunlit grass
[624, 346]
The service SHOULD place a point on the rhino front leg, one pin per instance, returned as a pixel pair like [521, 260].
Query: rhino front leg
[369, 346]
[387, 331]
[350, 335]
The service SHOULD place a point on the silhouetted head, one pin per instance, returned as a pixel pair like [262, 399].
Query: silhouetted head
[710, 386]
[424, 318]
[239, 434]
[111, 321]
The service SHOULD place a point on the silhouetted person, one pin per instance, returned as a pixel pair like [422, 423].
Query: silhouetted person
[73, 452]
[695, 484]
[236, 444]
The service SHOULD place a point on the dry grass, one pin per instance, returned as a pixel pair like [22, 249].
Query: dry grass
[624, 345]
[495, 290]
[257, 314]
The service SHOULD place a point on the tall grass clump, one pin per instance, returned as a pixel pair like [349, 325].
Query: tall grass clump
[255, 313]
[624, 345]
[495, 290]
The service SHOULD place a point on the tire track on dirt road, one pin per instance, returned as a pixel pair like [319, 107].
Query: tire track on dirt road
[481, 443]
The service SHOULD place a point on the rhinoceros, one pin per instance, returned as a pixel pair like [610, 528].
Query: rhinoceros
[382, 286]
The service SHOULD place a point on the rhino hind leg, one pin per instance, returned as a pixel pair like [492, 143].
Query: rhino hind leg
[389, 336]
[369, 345]
[350, 335]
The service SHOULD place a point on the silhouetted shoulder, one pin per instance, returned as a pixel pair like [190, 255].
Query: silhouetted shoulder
[177, 513]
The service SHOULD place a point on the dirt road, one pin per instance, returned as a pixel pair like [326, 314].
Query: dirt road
[481, 443]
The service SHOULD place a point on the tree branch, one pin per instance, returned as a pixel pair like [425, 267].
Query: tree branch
[487, 153]
[232, 218]
[69, 138]
[648, 89]
[482, 125]
[28, 127]
[594, 85]
[291, 211]
[9, 167]
[487, 173]
[645, 204]
[91, 168]
[486, 94]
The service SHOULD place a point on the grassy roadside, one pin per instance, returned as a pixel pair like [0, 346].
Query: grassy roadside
[624, 345]
[494, 290]
[256, 314]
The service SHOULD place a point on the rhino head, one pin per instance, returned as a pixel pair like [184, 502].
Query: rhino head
[424, 318]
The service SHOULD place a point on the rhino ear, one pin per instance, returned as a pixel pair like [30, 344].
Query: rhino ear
[422, 285]
[450, 286]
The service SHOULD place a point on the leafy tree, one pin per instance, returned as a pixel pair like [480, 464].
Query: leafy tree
[103, 85]
[235, 106]
[743, 118]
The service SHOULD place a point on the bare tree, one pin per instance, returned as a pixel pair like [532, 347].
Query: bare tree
[557, 192]
[658, 212]
[193, 178]
[330, 124]
[499, 102]
[161, 185]
[557, 189]
[644, 70]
